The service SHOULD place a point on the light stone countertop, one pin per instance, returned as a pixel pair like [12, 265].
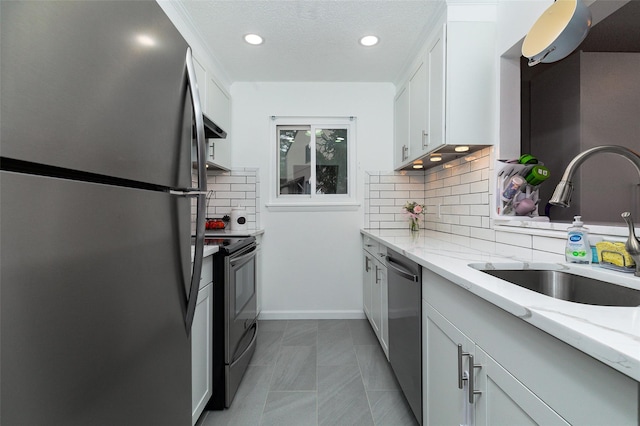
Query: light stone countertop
[208, 250]
[608, 334]
[228, 233]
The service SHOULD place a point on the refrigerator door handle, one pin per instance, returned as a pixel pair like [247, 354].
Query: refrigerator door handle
[200, 191]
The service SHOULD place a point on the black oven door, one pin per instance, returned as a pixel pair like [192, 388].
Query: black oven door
[241, 303]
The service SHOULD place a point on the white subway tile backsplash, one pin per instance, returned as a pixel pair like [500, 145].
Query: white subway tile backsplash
[235, 188]
[521, 240]
[382, 187]
[246, 187]
[471, 177]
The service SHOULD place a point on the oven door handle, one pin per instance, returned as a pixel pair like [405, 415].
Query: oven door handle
[234, 260]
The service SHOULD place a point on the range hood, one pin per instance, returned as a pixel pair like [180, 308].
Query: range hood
[442, 155]
[212, 130]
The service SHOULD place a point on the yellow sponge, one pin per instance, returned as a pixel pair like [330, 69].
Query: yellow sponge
[614, 253]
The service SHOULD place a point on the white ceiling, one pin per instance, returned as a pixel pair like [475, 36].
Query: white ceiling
[312, 40]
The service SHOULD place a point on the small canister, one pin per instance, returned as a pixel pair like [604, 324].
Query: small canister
[512, 187]
[238, 219]
[537, 175]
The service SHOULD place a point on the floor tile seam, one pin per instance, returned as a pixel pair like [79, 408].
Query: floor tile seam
[273, 372]
[366, 394]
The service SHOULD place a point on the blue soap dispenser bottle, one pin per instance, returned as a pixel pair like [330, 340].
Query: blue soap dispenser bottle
[578, 249]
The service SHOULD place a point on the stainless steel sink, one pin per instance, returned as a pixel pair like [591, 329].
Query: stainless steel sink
[570, 287]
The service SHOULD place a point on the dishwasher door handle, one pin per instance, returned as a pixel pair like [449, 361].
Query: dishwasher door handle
[400, 270]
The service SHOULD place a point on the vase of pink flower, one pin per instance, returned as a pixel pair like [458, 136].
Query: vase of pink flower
[414, 210]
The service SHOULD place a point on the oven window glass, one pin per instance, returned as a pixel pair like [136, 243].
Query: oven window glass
[244, 285]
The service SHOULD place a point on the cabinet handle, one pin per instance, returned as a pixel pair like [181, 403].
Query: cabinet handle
[460, 355]
[367, 268]
[425, 137]
[472, 368]
[377, 278]
[405, 152]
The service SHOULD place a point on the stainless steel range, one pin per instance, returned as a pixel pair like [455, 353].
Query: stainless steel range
[235, 326]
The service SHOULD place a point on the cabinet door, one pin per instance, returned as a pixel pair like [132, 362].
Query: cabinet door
[505, 400]
[376, 297]
[401, 127]
[366, 283]
[384, 311]
[443, 401]
[201, 79]
[418, 109]
[219, 110]
[201, 353]
[436, 89]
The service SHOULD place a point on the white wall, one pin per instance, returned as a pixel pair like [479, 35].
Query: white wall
[311, 259]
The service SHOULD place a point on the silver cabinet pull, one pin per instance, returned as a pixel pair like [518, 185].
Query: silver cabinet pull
[472, 368]
[460, 374]
[367, 268]
[425, 137]
[377, 277]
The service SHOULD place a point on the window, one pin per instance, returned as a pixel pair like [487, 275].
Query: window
[314, 161]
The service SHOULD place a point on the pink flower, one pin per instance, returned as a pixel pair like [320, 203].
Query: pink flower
[417, 209]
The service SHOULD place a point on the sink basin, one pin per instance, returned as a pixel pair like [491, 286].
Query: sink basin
[570, 287]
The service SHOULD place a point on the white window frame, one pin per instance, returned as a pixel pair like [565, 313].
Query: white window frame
[319, 202]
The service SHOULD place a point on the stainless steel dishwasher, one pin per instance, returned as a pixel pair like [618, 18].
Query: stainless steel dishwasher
[405, 327]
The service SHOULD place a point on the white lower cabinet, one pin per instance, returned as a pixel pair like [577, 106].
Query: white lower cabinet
[375, 291]
[484, 366]
[201, 344]
[488, 395]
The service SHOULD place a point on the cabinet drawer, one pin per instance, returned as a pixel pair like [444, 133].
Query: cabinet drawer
[371, 245]
[207, 271]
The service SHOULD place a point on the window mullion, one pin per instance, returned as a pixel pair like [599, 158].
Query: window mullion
[312, 147]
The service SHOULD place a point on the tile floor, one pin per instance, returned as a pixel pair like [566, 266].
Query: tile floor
[316, 372]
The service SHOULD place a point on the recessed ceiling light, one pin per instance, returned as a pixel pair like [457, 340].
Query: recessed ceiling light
[254, 39]
[461, 148]
[369, 40]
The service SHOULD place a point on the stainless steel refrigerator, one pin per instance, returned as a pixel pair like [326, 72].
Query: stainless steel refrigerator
[99, 112]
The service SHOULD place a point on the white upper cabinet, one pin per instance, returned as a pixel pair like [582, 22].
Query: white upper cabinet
[418, 110]
[219, 110]
[401, 127]
[451, 92]
[216, 105]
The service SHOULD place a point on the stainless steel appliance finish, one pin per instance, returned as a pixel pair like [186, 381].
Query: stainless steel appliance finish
[405, 327]
[235, 327]
[570, 287]
[98, 107]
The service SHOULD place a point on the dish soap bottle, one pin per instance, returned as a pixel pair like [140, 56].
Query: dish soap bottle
[578, 249]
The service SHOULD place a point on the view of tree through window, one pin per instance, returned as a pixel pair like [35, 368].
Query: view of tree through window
[313, 160]
[331, 161]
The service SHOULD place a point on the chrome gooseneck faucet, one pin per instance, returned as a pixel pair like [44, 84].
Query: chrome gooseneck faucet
[562, 195]
[633, 244]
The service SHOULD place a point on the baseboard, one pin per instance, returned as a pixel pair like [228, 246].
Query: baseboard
[294, 315]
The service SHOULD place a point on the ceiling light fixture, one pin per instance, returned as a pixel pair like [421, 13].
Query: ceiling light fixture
[253, 39]
[435, 157]
[461, 148]
[369, 40]
[417, 164]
